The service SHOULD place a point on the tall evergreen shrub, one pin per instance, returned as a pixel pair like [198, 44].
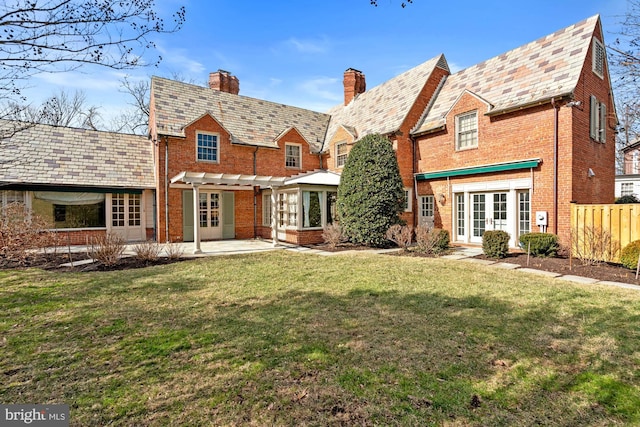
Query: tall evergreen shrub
[370, 194]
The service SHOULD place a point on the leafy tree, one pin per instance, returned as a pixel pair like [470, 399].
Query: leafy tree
[370, 194]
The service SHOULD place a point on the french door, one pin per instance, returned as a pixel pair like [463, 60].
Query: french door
[209, 215]
[489, 212]
[126, 216]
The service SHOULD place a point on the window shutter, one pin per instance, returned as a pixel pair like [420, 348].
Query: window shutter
[603, 123]
[593, 118]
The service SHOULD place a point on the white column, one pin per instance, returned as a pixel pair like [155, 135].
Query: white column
[274, 215]
[196, 219]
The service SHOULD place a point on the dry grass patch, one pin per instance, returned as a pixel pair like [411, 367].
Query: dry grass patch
[293, 339]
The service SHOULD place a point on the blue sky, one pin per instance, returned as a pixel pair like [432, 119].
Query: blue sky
[295, 52]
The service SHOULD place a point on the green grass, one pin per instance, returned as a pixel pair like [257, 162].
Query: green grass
[291, 339]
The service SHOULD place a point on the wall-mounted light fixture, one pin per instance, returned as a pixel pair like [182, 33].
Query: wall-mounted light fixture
[441, 199]
[591, 173]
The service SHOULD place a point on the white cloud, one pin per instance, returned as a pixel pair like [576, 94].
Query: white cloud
[321, 45]
[322, 87]
[172, 57]
[105, 81]
[454, 67]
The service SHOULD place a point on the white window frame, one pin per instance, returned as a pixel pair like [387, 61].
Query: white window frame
[341, 158]
[598, 58]
[626, 189]
[287, 156]
[427, 209]
[461, 216]
[597, 120]
[526, 204]
[12, 196]
[267, 213]
[216, 149]
[408, 192]
[473, 130]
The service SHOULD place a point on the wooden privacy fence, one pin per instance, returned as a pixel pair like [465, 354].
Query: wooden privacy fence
[592, 222]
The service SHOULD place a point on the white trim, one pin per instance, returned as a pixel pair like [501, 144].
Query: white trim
[217, 135]
[457, 130]
[512, 184]
[213, 187]
[293, 144]
[409, 196]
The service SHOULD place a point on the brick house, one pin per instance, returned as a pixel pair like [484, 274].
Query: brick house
[628, 182]
[83, 182]
[488, 147]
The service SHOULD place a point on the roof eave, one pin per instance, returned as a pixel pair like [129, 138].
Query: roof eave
[530, 104]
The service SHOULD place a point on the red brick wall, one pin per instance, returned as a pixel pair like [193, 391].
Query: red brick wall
[527, 134]
[79, 237]
[233, 159]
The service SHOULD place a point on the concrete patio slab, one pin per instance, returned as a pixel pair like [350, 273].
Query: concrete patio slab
[478, 261]
[578, 279]
[506, 265]
[619, 284]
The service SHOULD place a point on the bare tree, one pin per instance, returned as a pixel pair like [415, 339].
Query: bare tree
[64, 109]
[136, 118]
[61, 35]
[624, 62]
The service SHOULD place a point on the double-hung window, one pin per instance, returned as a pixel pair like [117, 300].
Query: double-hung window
[341, 154]
[467, 130]
[626, 189]
[598, 120]
[207, 147]
[293, 156]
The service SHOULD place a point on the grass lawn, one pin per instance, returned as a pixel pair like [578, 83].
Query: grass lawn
[291, 339]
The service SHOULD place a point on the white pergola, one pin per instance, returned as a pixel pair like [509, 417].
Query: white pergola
[196, 179]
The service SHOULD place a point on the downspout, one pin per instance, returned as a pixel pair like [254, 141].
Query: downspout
[555, 166]
[255, 195]
[166, 189]
[414, 169]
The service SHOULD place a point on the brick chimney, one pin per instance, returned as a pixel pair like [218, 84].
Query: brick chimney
[354, 84]
[224, 81]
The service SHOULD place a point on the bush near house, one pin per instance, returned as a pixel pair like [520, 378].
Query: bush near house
[370, 194]
[630, 254]
[431, 240]
[540, 244]
[630, 198]
[401, 235]
[495, 243]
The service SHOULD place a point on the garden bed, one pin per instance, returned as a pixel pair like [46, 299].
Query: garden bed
[562, 265]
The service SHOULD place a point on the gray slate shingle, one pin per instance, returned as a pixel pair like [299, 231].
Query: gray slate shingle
[45, 154]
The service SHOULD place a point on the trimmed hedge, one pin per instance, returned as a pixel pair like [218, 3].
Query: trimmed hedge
[630, 198]
[629, 255]
[495, 243]
[543, 245]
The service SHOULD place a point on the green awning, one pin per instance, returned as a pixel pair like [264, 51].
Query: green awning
[496, 167]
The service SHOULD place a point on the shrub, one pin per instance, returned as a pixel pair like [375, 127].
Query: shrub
[173, 251]
[23, 233]
[332, 235]
[401, 235]
[107, 248]
[630, 198]
[629, 255]
[593, 245]
[495, 243]
[370, 194]
[431, 240]
[147, 251]
[540, 244]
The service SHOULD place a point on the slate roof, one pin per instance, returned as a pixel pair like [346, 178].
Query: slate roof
[250, 121]
[53, 155]
[383, 108]
[548, 67]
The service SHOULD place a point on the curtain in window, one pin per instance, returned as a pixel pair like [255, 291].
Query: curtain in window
[64, 198]
[306, 203]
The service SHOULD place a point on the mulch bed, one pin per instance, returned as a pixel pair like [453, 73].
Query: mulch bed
[603, 271]
[54, 262]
